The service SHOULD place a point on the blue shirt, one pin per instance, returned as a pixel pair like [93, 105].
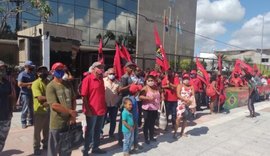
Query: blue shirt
[26, 78]
[135, 109]
[127, 116]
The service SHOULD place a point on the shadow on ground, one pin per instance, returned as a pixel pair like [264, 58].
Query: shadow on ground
[11, 152]
[198, 131]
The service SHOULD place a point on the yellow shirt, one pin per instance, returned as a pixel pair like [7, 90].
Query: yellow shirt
[39, 89]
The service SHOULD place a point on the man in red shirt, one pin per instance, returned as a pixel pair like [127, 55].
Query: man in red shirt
[198, 88]
[236, 81]
[94, 107]
[169, 84]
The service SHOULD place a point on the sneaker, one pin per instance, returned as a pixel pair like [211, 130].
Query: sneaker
[153, 139]
[37, 152]
[24, 126]
[147, 142]
[98, 151]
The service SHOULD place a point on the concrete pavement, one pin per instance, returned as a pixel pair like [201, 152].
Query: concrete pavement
[228, 133]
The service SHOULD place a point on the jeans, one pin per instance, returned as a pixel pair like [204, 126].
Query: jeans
[112, 111]
[128, 141]
[54, 146]
[27, 108]
[171, 109]
[93, 130]
[136, 135]
[140, 113]
[120, 134]
[150, 117]
[251, 101]
[198, 98]
[41, 124]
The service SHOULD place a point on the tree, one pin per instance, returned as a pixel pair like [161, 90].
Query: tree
[109, 35]
[248, 60]
[7, 10]
[187, 64]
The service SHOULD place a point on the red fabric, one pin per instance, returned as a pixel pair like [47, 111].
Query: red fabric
[242, 65]
[161, 58]
[170, 95]
[126, 54]
[197, 84]
[100, 52]
[117, 63]
[236, 82]
[94, 90]
[133, 89]
[268, 81]
[202, 73]
[256, 69]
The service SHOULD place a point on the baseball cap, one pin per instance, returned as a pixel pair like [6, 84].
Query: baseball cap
[29, 63]
[134, 88]
[58, 65]
[41, 67]
[96, 64]
[185, 76]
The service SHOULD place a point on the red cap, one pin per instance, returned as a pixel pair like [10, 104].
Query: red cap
[186, 76]
[133, 89]
[58, 65]
[154, 73]
[193, 72]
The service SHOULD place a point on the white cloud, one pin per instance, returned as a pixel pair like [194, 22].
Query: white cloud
[250, 34]
[121, 20]
[211, 19]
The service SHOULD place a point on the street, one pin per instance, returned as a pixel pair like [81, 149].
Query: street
[228, 133]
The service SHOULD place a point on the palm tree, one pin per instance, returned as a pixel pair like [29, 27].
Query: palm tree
[109, 35]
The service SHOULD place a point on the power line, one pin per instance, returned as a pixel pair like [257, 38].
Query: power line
[172, 26]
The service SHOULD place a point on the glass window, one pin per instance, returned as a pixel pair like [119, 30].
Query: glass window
[67, 1]
[132, 6]
[82, 16]
[109, 21]
[96, 18]
[66, 14]
[132, 23]
[93, 36]
[30, 13]
[96, 4]
[109, 7]
[84, 3]
[121, 23]
[54, 16]
[85, 34]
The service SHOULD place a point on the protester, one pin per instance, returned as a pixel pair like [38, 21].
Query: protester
[186, 104]
[221, 89]
[169, 84]
[5, 105]
[25, 79]
[252, 95]
[41, 112]
[213, 99]
[264, 80]
[151, 99]
[140, 75]
[94, 107]
[126, 81]
[198, 89]
[127, 126]
[112, 99]
[134, 91]
[236, 81]
[62, 100]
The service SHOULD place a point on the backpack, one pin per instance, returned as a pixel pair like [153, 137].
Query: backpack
[210, 91]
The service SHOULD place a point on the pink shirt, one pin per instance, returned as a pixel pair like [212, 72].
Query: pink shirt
[153, 104]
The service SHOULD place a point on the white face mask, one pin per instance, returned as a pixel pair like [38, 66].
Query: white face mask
[65, 77]
[111, 77]
[186, 82]
[150, 83]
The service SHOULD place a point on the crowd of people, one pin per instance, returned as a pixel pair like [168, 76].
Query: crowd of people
[48, 101]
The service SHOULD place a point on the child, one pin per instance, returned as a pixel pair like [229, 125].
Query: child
[134, 90]
[127, 126]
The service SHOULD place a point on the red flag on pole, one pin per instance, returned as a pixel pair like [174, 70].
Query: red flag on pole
[202, 73]
[256, 69]
[100, 52]
[161, 58]
[219, 63]
[117, 62]
[126, 54]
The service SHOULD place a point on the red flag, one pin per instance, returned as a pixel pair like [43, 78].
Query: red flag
[126, 54]
[219, 63]
[100, 52]
[161, 58]
[256, 69]
[237, 68]
[117, 62]
[247, 68]
[202, 73]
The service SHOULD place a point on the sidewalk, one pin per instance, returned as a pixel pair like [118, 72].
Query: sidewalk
[220, 134]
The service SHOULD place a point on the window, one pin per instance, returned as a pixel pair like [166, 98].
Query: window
[66, 14]
[109, 21]
[264, 60]
[82, 16]
[85, 34]
[96, 18]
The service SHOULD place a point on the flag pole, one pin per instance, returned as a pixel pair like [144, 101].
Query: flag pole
[175, 48]
[164, 25]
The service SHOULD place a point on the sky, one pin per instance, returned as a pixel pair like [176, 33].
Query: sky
[238, 23]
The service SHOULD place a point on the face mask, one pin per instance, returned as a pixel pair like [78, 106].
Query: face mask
[186, 82]
[43, 76]
[111, 77]
[134, 79]
[59, 73]
[150, 83]
[65, 77]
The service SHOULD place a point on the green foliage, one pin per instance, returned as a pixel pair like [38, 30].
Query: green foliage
[187, 64]
[248, 60]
